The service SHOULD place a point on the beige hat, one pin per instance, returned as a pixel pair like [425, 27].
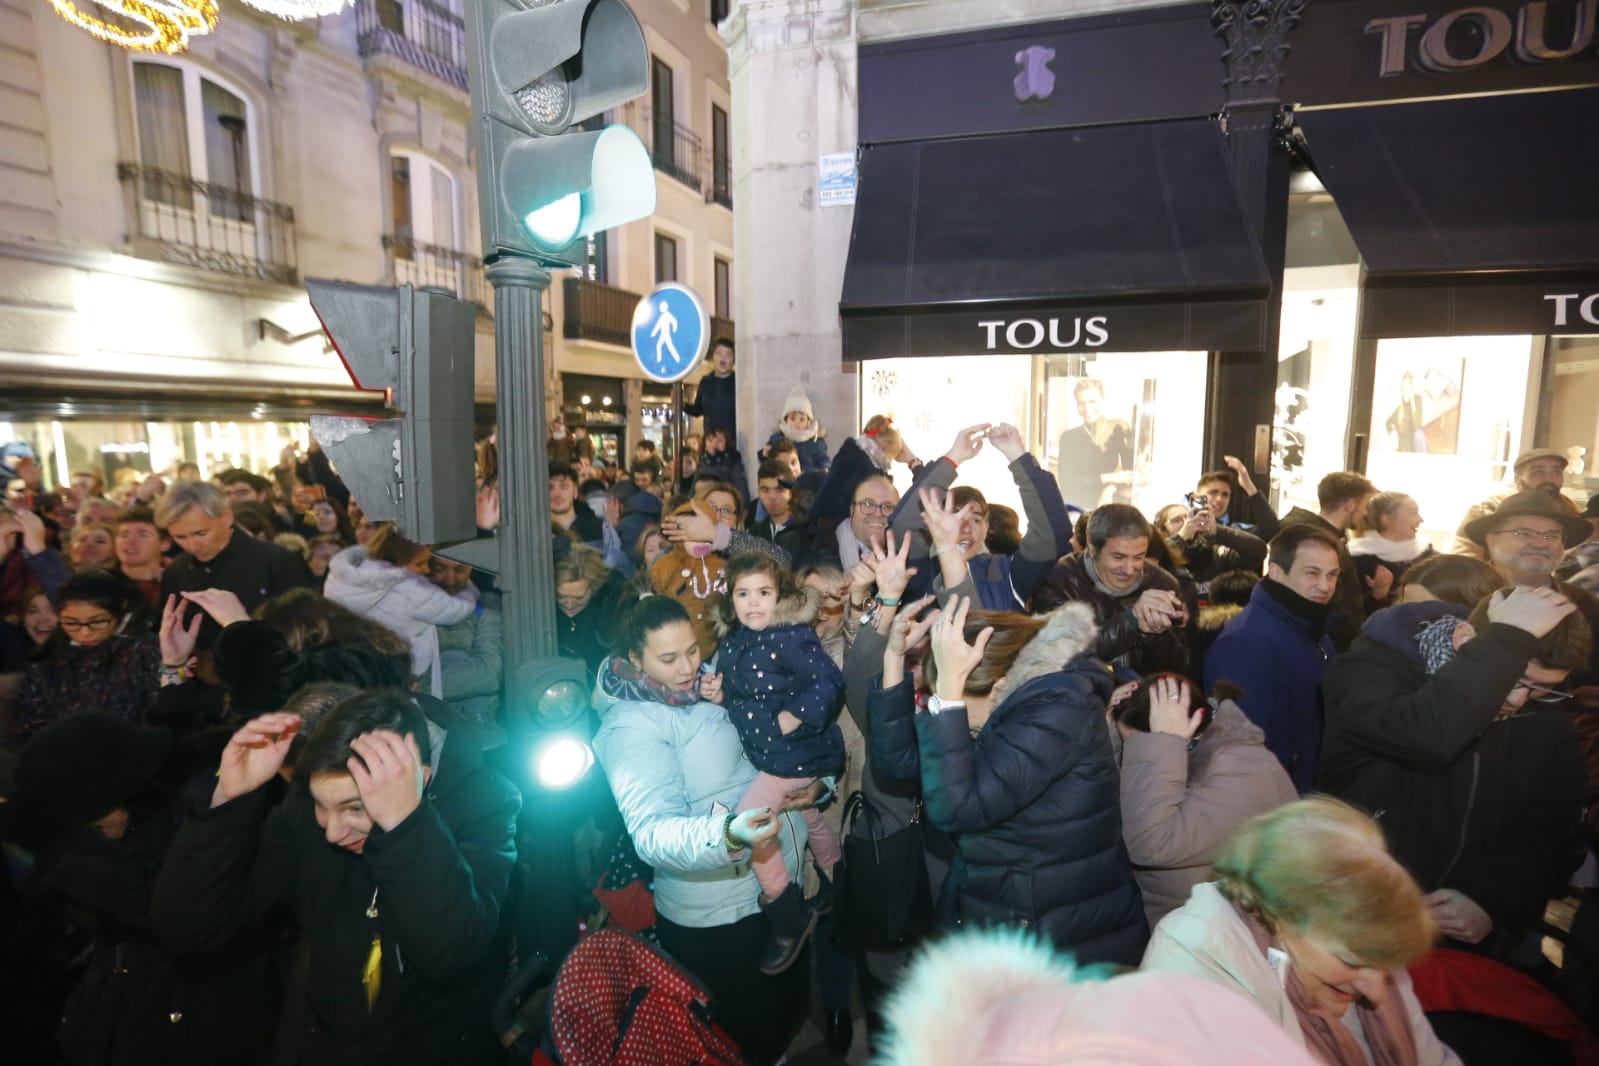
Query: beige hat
[1538, 453]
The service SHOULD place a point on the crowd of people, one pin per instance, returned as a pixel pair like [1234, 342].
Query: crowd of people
[248, 816]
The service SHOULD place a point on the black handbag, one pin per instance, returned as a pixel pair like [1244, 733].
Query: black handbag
[882, 898]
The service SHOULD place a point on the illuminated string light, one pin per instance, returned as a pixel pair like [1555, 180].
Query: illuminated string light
[145, 25]
[297, 10]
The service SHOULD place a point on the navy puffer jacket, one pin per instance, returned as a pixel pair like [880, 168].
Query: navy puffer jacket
[1033, 799]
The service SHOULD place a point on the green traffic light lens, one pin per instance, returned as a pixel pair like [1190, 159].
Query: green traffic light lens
[555, 225]
[560, 704]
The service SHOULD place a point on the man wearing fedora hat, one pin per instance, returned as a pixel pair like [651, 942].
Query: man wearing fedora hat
[1540, 470]
[1526, 537]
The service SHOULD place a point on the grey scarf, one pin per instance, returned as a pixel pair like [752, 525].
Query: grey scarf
[1093, 575]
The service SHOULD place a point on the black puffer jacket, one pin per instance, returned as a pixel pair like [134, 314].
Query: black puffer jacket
[1490, 806]
[439, 881]
[1120, 641]
[1033, 799]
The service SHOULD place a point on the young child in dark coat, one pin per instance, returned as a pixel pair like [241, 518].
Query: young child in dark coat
[782, 692]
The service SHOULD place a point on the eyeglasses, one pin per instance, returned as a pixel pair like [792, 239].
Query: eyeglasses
[1549, 536]
[725, 512]
[1539, 694]
[873, 507]
[92, 625]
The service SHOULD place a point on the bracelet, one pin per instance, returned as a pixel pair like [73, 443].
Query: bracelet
[182, 671]
[947, 548]
[887, 602]
[733, 843]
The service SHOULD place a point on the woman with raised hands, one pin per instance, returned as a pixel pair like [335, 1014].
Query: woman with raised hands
[1015, 761]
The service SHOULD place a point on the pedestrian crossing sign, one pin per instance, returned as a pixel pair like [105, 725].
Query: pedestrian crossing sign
[671, 332]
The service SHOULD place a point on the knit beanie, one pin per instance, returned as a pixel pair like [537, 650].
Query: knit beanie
[796, 400]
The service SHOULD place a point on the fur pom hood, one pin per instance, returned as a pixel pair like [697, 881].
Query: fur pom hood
[798, 610]
[1069, 631]
[1214, 617]
[999, 996]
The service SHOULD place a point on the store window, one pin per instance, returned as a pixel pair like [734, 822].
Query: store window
[125, 450]
[665, 258]
[195, 135]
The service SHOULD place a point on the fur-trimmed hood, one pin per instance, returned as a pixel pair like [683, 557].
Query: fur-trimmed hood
[798, 610]
[1069, 631]
[1000, 996]
[1214, 617]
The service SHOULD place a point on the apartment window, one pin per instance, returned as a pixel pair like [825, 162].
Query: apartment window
[423, 201]
[193, 129]
[722, 279]
[665, 258]
[663, 113]
[719, 10]
[721, 159]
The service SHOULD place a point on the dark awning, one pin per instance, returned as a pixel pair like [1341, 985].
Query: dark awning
[1116, 238]
[1474, 216]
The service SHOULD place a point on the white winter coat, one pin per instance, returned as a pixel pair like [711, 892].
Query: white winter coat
[407, 603]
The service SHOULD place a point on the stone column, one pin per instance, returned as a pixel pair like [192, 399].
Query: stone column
[792, 71]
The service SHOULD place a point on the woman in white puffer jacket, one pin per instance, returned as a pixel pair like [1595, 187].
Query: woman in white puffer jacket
[386, 581]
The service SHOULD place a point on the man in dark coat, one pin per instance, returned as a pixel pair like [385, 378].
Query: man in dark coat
[395, 859]
[199, 521]
[1138, 606]
[1277, 649]
[1342, 497]
[716, 399]
[1452, 735]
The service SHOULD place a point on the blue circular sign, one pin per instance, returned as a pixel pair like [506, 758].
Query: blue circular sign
[671, 332]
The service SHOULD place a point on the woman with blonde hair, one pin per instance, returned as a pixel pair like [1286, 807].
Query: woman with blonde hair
[1310, 916]
[1385, 544]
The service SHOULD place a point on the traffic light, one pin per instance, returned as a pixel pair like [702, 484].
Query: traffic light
[417, 347]
[537, 69]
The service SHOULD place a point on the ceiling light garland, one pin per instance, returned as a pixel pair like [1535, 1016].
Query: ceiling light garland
[296, 10]
[144, 25]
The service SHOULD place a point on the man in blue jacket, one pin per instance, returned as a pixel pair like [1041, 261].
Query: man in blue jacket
[1277, 649]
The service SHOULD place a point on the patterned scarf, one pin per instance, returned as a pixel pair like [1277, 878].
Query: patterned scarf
[1387, 1028]
[620, 679]
[1436, 641]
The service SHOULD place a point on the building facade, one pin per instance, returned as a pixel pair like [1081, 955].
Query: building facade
[1308, 235]
[159, 213]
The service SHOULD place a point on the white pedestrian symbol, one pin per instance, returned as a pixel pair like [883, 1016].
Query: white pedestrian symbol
[663, 330]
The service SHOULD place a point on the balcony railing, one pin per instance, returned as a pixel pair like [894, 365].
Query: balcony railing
[427, 266]
[425, 35]
[173, 217]
[675, 150]
[596, 312]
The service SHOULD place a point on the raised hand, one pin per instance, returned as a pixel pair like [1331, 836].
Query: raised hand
[388, 773]
[32, 528]
[893, 576]
[711, 688]
[907, 631]
[1536, 610]
[488, 507]
[177, 638]
[1458, 915]
[943, 524]
[1169, 700]
[955, 658]
[1241, 472]
[1008, 439]
[968, 442]
[254, 755]
[1380, 583]
[220, 604]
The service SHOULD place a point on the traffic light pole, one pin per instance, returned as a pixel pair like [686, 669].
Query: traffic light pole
[526, 561]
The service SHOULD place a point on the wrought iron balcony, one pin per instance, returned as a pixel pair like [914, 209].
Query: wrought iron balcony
[427, 36]
[596, 312]
[427, 266]
[175, 218]
[675, 150]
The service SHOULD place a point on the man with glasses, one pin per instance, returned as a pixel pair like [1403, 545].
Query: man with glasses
[1541, 470]
[1525, 540]
[1452, 732]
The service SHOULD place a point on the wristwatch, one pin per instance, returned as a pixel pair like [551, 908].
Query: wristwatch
[937, 706]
